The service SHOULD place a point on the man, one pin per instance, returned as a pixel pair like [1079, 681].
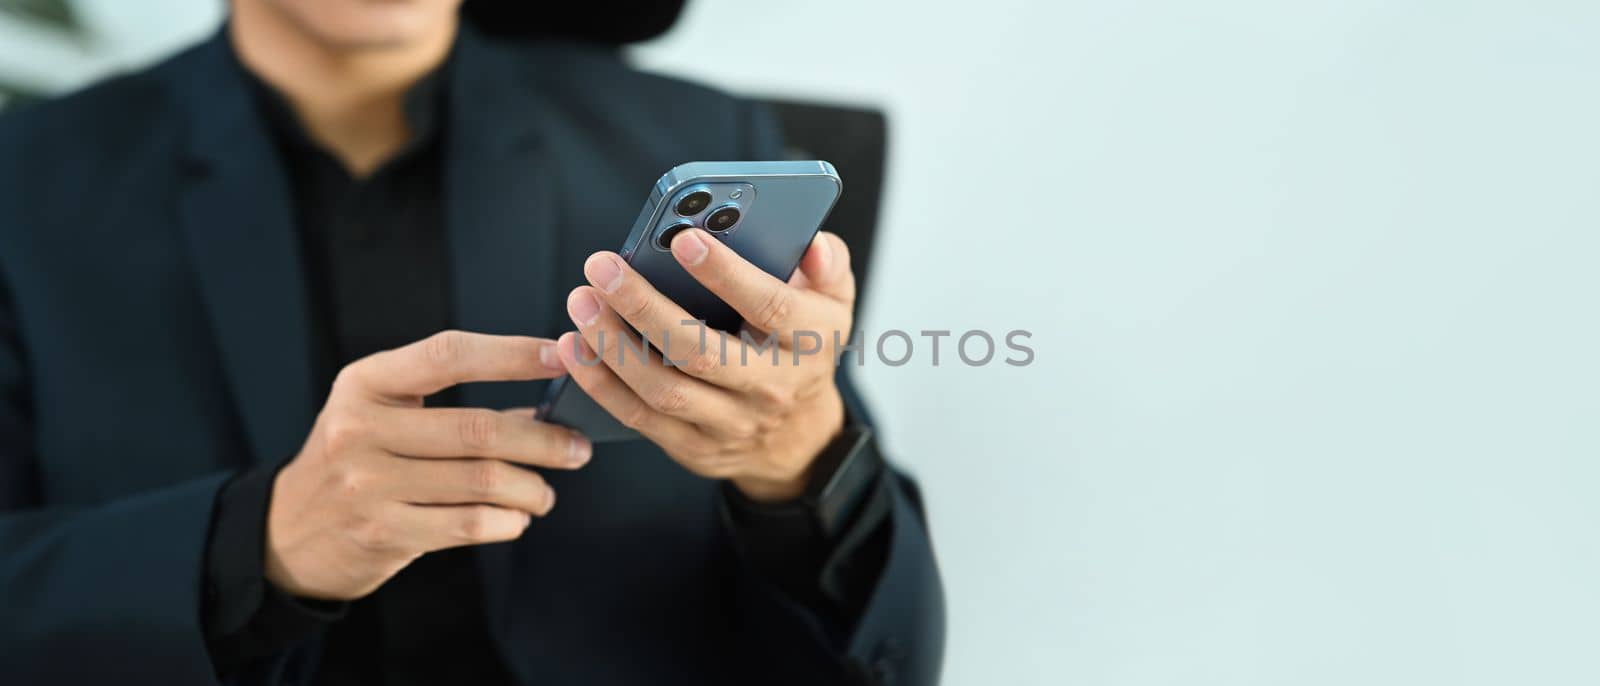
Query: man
[239, 296]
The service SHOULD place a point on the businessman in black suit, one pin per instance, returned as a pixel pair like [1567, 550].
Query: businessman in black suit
[239, 295]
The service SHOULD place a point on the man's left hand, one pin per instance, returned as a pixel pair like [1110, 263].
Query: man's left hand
[749, 415]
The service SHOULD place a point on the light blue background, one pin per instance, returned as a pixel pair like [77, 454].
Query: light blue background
[1313, 287]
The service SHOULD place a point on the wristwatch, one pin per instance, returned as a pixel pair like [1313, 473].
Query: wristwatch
[842, 478]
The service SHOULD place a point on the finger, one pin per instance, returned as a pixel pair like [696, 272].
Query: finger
[453, 357]
[436, 527]
[471, 432]
[528, 412]
[603, 385]
[693, 347]
[663, 388]
[764, 301]
[826, 268]
[468, 482]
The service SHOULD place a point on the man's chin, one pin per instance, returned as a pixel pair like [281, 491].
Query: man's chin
[360, 27]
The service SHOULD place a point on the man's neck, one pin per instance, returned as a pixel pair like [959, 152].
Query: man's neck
[350, 100]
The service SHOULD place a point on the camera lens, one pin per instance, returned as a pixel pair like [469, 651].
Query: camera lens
[691, 204]
[664, 239]
[723, 218]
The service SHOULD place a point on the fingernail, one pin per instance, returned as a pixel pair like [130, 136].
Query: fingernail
[584, 307]
[581, 449]
[824, 252]
[549, 357]
[550, 499]
[603, 271]
[690, 247]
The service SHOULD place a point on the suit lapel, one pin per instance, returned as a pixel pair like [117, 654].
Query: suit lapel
[234, 213]
[236, 220]
[501, 225]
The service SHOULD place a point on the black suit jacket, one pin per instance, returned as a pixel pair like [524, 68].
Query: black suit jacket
[153, 341]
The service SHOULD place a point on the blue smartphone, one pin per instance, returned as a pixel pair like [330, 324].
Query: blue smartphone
[767, 212]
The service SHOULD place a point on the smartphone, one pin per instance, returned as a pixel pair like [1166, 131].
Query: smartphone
[767, 212]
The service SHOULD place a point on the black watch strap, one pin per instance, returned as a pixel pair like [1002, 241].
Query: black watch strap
[842, 479]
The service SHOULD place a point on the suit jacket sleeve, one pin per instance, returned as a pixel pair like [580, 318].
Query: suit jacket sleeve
[105, 593]
[898, 636]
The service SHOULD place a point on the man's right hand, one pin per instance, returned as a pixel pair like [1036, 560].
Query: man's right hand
[382, 480]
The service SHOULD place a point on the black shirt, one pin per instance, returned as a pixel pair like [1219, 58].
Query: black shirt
[374, 249]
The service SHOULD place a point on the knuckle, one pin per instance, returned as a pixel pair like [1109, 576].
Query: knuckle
[775, 308]
[346, 379]
[635, 308]
[740, 430]
[350, 481]
[750, 429]
[670, 398]
[765, 425]
[445, 348]
[782, 403]
[701, 363]
[637, 418]
[484, 479]
[479, 430]
[776, 398]
[343, 431]
[477, 523]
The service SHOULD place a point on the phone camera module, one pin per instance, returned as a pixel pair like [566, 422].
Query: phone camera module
[691, 204]
[723, 218]
[664, 239]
